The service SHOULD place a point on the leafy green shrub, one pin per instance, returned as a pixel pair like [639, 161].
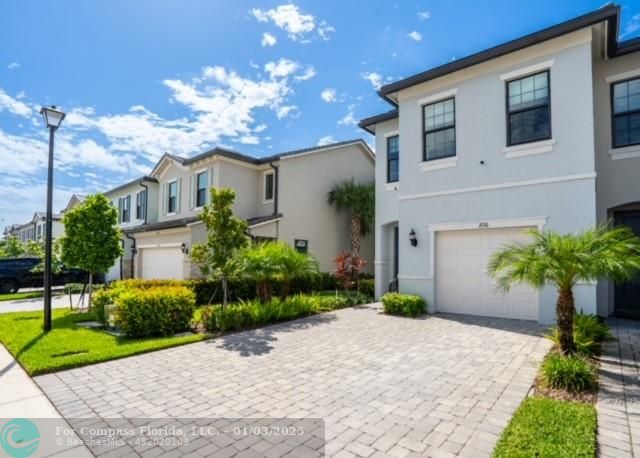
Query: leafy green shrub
[404, 304]
[571, 373]
[101, 299]
[154, 311]
[588, 333]
[366, 286]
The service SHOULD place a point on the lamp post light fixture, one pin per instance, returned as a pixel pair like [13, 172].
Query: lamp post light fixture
[52, 119]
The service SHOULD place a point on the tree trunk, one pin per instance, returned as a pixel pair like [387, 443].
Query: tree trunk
[355, 234]
[565, 310]
[225, 292]
[90, 288]
[284, 292]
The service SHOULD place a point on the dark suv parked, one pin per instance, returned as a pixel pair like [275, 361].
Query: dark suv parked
[15, 273]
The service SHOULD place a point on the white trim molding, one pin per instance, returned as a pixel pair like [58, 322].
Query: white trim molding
[393, 133]
[492, 187]
[160, 245]
[414, 277]
[380, 262]
[264, 223]
[545, 65]
[627, 152]
[437, 164]
[264, 186]
[392, 186]
[622, 76]
[528, 149]
[533, 221]
[439, 96]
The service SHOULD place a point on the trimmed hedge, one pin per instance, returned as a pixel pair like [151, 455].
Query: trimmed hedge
[155, 311]
[367, 287]
[250, 314]
[404, 304]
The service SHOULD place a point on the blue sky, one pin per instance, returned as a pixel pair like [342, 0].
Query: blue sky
[139, 78]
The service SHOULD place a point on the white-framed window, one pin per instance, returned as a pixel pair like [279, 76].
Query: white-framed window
[439, 129]
[269, 186]
[124, 209]
[202, 184]
[141, 205]
[172, 197]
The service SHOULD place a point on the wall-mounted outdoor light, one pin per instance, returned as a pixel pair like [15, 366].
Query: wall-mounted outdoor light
[412, 238]
[184, 248]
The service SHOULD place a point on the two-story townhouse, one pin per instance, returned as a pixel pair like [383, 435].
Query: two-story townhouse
[540, 132]
[34, 230]
[132, 200]
[282, 197]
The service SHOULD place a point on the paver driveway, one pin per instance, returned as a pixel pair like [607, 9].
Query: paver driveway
[386, 386]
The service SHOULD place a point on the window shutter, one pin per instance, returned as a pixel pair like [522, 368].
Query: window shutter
[119, 210]
[143, 204]
[192, 191]
[178, 194]
[165, 198]
[208, 199]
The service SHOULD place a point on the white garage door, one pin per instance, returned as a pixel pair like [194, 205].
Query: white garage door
[462, 284]
[162, 263]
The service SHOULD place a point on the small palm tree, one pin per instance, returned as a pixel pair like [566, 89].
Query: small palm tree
[565, 259]
[359, 199]
[294, 265]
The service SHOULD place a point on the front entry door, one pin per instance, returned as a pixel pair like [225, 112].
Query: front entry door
[627, 295]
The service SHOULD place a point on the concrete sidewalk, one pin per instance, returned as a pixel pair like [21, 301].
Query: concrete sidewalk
[20, 397]
[37, 303]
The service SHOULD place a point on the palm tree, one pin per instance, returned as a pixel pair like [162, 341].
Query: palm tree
[359, 199]
[294, 265]
[565, 259]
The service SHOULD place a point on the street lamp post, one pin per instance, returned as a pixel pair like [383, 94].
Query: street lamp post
[52, 119]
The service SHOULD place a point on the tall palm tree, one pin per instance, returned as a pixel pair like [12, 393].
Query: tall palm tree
[563, 260]
[359, 200]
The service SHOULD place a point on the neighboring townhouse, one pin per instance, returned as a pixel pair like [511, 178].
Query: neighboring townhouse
[34, 230]
[282, 197]
[540, 132]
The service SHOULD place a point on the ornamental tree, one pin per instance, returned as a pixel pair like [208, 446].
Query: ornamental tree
[92, 237]
[226, 234]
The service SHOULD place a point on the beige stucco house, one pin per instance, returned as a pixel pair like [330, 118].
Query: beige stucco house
[282, 197]
[540, 132]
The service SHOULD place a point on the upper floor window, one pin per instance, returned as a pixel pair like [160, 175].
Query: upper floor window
[528, 109]
[201, 189]
[172, 197]
[124, 209]
[268, 186]
[626, 113]
[439, 129]
[141, 205]
[393, 158]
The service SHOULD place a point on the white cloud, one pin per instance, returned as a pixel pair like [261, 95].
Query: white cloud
[287, 110]
[328, 95]
[268, 40]
[298, 25]
[309, 73]
[13, 105]
[326, 140]
[631, 26]
[13, 65]
[423, 15]
[31, 194]
[249, 140]
[374, 78]
[349, 119]
[415, 35]
[281, 69]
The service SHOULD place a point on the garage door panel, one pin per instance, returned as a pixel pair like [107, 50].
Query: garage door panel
[462, 283]
[162, 263]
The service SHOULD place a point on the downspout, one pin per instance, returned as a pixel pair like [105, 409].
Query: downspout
[122, 242]
[276, 173]
[133, 255]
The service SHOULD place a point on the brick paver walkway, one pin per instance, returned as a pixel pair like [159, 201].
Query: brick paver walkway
[386, 386]
[619, 392]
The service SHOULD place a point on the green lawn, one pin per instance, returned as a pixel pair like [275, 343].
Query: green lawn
[68, 345]
[545, 427]
[17, 296]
